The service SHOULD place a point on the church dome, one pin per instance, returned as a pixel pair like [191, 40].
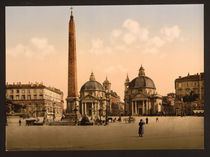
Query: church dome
[92, 84]
[142, 81]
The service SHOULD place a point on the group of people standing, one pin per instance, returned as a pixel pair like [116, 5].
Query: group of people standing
[141, 128]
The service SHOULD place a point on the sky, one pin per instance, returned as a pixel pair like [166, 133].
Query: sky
[112, 41]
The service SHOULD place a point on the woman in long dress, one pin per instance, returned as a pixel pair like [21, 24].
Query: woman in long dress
[141, 129]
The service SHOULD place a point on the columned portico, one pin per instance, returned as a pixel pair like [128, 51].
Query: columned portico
[132, 107]
[140, 107]
[143, 108]
[85, 108]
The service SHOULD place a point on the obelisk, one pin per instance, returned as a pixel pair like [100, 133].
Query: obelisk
[72, 98]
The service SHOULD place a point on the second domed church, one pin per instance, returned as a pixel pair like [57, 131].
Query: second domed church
[141, 97]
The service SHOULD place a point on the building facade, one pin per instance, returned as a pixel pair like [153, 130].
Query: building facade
[168, 104]
[36, 100]
[141, 97]
[93, 99]
[114, 107]
[189, 94]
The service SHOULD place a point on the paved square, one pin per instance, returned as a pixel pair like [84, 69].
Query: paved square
[167, 133]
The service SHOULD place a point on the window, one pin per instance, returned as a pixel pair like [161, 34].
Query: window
[11, 97]
[17, 97]
[180, 91]
[41, 96]
[187, 91]
[23, 97]
[29, 97]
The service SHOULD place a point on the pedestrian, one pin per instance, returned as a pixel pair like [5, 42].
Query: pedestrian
[157, 119]
[20, 122]
[141, 129]
[147, 120]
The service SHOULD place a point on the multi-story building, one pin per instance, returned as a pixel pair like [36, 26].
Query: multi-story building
[36, 99]
[168, 104]
[189, 94]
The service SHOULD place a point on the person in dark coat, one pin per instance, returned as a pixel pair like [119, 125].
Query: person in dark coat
[19, 122]
[141, 129]
[147, 120]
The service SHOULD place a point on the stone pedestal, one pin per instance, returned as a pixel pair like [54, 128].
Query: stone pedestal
[72, 111]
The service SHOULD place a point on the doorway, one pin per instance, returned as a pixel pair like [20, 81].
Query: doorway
[140, 111]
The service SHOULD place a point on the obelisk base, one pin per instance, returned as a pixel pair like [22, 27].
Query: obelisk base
[72, 112]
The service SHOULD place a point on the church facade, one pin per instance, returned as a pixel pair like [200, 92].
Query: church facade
[98, 101]
[93, 100]
[141, 97]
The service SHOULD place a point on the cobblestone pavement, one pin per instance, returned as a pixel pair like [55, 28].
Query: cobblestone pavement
[167, 133]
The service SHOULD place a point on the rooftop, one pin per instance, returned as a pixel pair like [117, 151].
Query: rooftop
[31, 85]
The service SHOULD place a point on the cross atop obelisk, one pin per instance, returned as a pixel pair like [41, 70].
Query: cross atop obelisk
[71, 11]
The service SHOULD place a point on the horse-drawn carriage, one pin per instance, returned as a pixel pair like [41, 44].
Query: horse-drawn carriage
[129, 120]
[33, 122]
[30, 122]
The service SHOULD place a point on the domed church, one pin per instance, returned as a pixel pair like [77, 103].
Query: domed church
[92, 99]
[141, 97]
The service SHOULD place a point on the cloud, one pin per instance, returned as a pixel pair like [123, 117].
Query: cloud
[132, 37]
[156, 42]
[35, 48]
[97, 47]
[116, 33]
[129, 38]
[134, 27]
[171, 33]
